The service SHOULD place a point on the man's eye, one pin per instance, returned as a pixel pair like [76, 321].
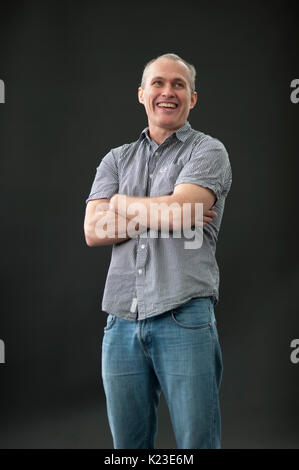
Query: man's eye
[160, 83]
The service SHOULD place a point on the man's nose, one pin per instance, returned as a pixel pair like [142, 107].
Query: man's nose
[167, 91]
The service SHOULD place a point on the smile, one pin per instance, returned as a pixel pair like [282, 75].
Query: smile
[167, 105]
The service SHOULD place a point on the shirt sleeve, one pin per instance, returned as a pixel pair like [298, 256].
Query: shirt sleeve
[105, 183]
[209, 166]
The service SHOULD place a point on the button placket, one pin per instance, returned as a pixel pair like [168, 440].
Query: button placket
[151, 168]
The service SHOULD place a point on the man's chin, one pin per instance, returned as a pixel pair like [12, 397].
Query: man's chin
[169, 124]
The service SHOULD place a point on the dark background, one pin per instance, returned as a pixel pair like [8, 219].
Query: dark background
[71, 71]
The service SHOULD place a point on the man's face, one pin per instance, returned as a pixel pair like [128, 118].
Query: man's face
[166, 95]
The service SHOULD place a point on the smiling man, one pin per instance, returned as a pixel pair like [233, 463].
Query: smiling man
[161, 332]
[167, 95]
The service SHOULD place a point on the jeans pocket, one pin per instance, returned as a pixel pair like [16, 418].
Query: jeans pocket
[110, 322]
[195, 314]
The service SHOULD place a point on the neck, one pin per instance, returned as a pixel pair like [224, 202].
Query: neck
[159, 134]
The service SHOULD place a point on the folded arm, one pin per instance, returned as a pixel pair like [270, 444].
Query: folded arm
[102, 226]
[155, 211]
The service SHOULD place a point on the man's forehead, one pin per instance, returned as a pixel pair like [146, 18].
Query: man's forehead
[163, 68]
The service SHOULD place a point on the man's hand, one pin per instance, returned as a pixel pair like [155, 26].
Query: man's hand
[110, 224]
[97, 211]
[209, 216]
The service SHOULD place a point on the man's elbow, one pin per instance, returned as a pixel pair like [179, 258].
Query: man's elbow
[89, 241]
[89, 236]
[92, 239]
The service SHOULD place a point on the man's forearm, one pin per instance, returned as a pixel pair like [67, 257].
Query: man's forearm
[163, 212]
[107, 228]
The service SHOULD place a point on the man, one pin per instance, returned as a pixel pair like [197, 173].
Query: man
[161, 330]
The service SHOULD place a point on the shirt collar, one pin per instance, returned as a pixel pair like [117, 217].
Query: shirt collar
[182, 133]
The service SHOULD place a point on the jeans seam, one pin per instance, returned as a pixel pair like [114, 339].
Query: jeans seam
[214, 416]
[214, 402]
[148, 427]
[213, 407]
[147, 435]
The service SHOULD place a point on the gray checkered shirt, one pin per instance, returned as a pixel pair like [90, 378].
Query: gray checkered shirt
[149, 276]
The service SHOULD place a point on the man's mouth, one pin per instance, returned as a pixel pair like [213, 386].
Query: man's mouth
[166, 107]
[165, 104]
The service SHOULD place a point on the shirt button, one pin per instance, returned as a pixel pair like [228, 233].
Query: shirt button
[150, 175]
[157, 154]
[142, 246]
[140, 271]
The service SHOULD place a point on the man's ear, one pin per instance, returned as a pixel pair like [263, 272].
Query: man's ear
[193, 100]
[140, 95]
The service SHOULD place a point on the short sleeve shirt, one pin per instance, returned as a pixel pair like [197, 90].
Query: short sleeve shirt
[148, 276]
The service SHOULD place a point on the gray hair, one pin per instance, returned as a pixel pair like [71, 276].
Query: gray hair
[191, 68]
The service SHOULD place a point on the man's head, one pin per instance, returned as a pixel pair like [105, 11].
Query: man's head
[167, 91]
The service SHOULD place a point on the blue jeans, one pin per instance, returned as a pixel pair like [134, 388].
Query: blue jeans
[177, 352]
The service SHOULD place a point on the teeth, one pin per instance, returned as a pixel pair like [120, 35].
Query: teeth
[167, 105]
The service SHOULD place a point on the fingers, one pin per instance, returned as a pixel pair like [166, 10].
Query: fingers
[211, 213]
[209, 216]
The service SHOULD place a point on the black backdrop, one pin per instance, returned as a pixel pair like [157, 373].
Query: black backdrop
[71, 71]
